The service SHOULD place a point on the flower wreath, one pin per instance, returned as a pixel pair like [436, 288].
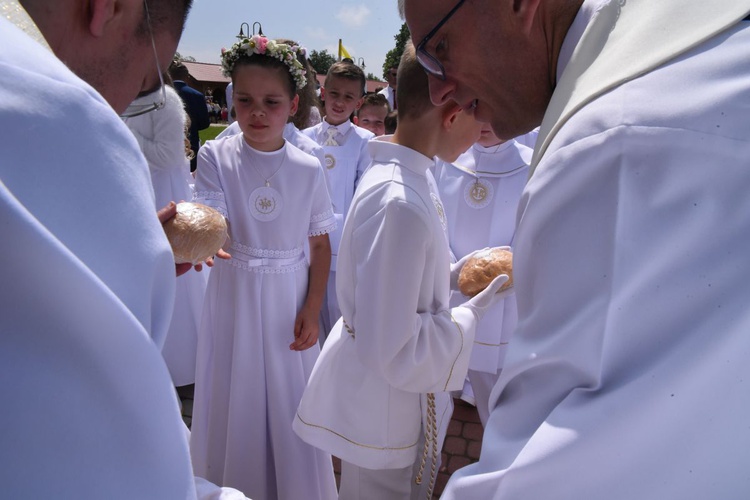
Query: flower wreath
[258, 44]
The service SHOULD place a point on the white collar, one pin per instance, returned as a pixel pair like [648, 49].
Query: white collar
[16, 14]
[492, 149]
[342, 128]
[625, 40]
[383, 150]
[585, 14]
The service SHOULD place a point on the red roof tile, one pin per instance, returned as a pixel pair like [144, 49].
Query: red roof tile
[206, 72]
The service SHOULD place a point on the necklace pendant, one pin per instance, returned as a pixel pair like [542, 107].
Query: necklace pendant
[268, 184]
[478, 194]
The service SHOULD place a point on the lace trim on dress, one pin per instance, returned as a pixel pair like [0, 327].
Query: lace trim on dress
[213, 199]
[265, 252]
[318, 231]
[266, 270]
[208, 195]
[321, 217]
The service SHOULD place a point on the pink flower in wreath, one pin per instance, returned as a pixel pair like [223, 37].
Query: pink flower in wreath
[261, 42]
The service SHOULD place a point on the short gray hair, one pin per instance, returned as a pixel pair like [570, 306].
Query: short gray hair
[401, 9]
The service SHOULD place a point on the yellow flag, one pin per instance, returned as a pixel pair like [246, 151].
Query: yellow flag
[343, 52]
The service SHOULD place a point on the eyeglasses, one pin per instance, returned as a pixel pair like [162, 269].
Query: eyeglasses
[430, 63]
[140, 109]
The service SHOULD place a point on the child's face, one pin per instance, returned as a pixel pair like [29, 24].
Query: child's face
[487, 137]
[372, 118]
[461, 136]
[263, 105]
[343, 96]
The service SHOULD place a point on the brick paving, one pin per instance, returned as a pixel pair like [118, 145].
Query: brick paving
[463, 441]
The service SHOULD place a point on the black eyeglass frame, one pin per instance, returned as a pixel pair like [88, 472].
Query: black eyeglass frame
[430, 63]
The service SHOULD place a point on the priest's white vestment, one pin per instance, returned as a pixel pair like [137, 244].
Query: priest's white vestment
[628, 375]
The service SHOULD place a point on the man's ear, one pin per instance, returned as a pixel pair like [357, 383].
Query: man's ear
[101, 12]
[356, 120]
[526, 11]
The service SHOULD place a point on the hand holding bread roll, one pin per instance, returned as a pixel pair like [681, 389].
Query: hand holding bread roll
[195, 233]
[482, 268]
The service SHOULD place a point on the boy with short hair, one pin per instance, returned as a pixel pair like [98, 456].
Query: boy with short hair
[371, 115]
[346, 158]
[398, 342]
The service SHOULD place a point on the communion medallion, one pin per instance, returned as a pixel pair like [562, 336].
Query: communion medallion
[266, 203]
[478, 194]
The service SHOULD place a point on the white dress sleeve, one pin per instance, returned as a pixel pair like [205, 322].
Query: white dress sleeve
[208, 188]
[322, 219]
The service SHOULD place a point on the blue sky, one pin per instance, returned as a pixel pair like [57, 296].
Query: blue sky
[366, 28]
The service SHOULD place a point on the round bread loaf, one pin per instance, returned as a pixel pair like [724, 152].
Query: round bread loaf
[196, 233]
[480, 270]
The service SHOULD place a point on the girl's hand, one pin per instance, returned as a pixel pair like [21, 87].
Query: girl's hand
[306, 329]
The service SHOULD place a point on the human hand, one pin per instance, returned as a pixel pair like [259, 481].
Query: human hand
[306, 329]
[487, 297]
[166, 213]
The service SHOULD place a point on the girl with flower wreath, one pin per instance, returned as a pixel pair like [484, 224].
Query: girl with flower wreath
[258, 335]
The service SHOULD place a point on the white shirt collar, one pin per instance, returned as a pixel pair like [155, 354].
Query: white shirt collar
[586, 13]
[16, 14]
[343, 128]
[383, 150]
[492, 149]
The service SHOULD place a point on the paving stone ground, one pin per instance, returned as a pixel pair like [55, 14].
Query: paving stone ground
[463, 442]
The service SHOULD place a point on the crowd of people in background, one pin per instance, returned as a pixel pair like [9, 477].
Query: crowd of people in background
[331, 323]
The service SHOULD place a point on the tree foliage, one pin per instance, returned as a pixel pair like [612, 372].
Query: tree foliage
[321, 61]
[179, 57]
[370, 76]
[393, 57]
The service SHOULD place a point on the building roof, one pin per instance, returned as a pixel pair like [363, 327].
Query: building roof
[211, 73]
[206, 72]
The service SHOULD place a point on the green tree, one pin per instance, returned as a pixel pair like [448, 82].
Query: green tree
[321, 61]
[393, 57]
[370, 76]
[179, 57]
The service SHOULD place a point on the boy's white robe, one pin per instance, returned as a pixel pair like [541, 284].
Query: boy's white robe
[362, 402]
[628, 374]
[345, 165]
[471, 226]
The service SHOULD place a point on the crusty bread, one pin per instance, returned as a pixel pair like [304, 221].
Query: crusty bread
[196, 233]
[480, 270]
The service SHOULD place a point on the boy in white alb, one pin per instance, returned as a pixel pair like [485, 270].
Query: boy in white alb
[480, 193]
[346, 158]
[398, 342]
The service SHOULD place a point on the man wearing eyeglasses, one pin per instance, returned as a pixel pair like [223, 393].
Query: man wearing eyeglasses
[88, 283]
[627, 376]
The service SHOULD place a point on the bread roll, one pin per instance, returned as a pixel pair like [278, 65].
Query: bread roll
[196, 233]
[480, 270]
